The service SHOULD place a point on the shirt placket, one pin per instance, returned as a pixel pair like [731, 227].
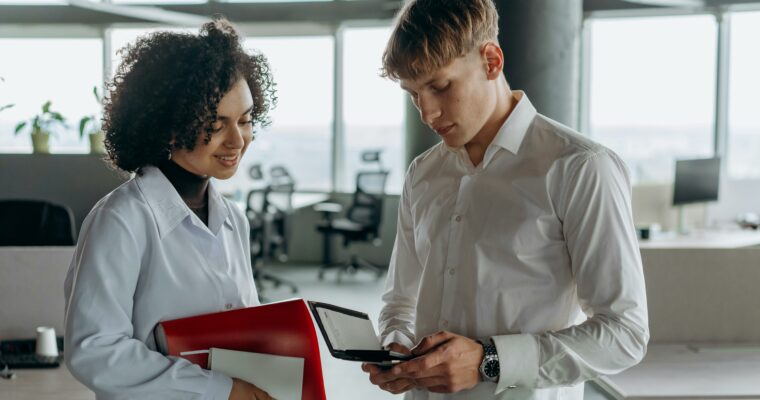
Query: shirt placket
[453, 256]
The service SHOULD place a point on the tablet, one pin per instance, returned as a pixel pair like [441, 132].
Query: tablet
[350, 335]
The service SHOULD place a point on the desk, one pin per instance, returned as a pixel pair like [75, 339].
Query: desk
[685, 372]
[730, 239]
[43, 384]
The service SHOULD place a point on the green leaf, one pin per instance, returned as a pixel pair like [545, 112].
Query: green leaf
[19, 127]
[46, 107]
[83, 124]
[7, 106]
[95, 92]
[57, 116]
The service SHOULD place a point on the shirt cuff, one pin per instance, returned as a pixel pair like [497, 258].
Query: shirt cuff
[219, 387]
[398, 337]
[518, 361]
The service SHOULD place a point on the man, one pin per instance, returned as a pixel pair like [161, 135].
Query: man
[516, 269]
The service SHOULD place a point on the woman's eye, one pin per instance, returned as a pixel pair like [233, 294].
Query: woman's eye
[246, 122]
[217, 128]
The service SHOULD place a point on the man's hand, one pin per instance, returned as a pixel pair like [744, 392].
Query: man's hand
[242, 390]
[384, 379]
[447, 363]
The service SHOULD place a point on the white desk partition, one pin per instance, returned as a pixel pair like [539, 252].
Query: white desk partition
[31, 289]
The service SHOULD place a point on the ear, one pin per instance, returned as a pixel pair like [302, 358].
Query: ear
[493, 58]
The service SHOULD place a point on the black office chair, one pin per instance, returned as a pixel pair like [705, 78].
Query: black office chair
[35, 223]
[268, 234]
[361, 224]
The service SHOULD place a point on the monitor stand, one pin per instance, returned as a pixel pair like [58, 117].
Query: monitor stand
[682, 228]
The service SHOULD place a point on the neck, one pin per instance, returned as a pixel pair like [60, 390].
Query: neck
[192, 188]
[505, 104]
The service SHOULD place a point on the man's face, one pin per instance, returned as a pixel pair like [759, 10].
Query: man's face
[455, 101]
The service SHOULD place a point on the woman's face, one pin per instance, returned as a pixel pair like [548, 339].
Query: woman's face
[232, 133]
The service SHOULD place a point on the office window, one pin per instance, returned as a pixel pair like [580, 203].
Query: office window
[120, 37]
[62, 71]
[299, 137]
[744, 126]
[652, 93]
[373, 110]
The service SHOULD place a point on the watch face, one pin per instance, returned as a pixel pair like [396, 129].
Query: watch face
[491, 369]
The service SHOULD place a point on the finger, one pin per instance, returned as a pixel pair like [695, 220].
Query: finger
[371, 368]
[382, 378]
[398, 386]
[431, 382]
[399, 348]
[430, 342]
[413, 367]
[262, 395]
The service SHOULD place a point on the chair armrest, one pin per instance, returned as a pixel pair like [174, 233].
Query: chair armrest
[328, 208]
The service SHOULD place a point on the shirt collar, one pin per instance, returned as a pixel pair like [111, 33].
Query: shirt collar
[168, 207]
[512, 132]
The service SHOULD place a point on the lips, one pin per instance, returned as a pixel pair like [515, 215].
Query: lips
[443, 130]
[228, 161]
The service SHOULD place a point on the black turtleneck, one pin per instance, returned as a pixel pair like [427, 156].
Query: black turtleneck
[191, 188]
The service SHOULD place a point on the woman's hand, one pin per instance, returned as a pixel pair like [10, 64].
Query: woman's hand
[242, 390]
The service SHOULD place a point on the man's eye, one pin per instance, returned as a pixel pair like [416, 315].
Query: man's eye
[440, 88]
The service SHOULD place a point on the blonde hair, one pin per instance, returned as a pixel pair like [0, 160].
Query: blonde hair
[429, 34]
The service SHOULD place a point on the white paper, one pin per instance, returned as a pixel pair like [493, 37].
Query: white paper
[347, 332]
[281, 377]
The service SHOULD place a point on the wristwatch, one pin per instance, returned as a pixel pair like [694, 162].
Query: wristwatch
[489, 367]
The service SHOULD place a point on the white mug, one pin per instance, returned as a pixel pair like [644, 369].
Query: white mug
[47, 346]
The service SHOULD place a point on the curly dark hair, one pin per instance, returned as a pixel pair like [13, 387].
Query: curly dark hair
[169, 85]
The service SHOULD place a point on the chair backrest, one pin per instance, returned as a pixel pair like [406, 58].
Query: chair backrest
[367, 206]
[35, 223]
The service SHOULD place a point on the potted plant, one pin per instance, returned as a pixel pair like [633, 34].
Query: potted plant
[90, 125]
[39, 126]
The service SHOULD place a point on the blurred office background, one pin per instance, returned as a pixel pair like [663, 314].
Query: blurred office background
[656, 81]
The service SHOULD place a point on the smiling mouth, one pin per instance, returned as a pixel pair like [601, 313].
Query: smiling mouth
[227, 160]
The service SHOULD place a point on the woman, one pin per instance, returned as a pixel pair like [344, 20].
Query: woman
[166, 244]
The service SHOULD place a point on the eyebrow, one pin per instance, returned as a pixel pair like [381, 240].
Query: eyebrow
[429, 81]
[222, 117]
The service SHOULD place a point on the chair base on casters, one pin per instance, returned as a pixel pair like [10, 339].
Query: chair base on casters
[355, 263]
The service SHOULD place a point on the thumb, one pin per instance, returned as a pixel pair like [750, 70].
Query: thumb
[430, 342]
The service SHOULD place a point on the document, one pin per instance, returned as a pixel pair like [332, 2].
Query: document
[281, 377]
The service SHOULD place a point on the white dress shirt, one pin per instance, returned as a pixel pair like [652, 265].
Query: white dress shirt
[534, 248]
[144, 257]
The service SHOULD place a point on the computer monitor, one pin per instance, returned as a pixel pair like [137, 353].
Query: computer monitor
[697, 181]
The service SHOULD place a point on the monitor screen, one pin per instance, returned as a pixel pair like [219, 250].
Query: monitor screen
[696, 181]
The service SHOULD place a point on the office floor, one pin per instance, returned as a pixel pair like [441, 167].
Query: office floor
[344, 380]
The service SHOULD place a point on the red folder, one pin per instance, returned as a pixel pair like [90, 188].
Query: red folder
[283, 328]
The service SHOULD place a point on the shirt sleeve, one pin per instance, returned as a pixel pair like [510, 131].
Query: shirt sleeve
[397, 317]
[100, 350]
[606, 264]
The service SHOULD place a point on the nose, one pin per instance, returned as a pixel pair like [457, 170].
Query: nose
[429, 109]
[236, 136]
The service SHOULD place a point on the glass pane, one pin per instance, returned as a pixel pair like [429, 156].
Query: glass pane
[122, 36]
[299, 137]
[34, 75]
[373, 108]
[744, 126]
[653, 90]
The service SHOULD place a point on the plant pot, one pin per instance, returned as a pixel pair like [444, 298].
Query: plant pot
[40, 142]
[96, 143]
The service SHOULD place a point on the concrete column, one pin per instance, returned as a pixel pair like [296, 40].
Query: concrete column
[419, 137]
[541, 42]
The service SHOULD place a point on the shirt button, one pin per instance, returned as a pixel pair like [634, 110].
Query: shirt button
[458, 218]
[228, 306]
[452, 271]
